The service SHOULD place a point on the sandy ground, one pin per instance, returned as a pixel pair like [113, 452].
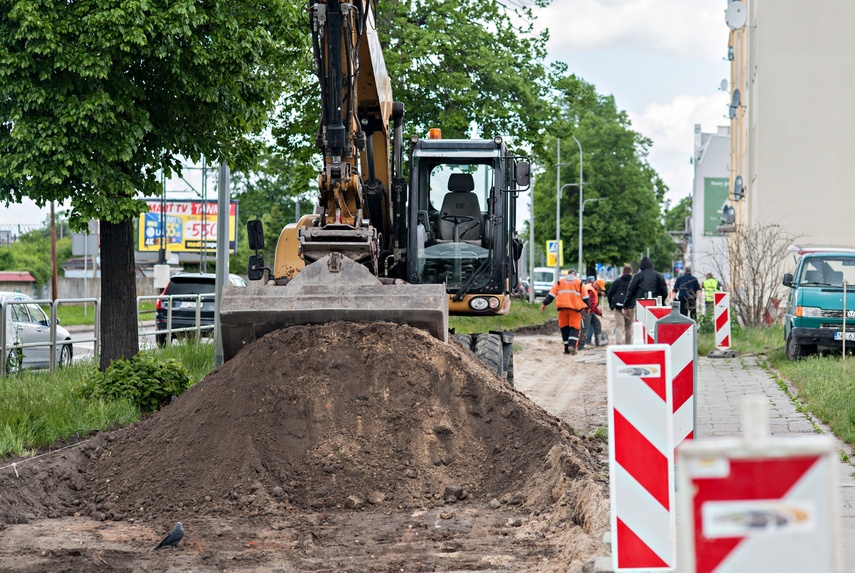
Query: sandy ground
[467, 535]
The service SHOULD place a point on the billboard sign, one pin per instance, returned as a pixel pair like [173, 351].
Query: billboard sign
[183, 225]
[716, 192]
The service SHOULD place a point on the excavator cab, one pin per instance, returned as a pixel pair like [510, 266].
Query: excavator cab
[463, 202]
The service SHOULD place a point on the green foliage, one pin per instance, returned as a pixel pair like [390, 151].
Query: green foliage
[465, 66]
[615, 167]
[147, 380]
[522, 314]
[37, 409]
[825, 385]
[31, 253]
[95, 99]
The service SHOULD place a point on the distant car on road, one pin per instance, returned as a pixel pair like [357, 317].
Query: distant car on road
[544, 278]
[184, 309]
[27, 323]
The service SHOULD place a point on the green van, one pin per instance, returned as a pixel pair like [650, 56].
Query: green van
[818, 302]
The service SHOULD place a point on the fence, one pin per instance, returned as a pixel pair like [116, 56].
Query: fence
[29, 339]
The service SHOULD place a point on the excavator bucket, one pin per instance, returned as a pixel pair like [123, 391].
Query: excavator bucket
[330, 289]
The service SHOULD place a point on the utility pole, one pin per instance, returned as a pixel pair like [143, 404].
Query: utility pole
[53, 286]
[581, 206]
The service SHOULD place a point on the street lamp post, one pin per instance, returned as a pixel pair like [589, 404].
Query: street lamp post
[559, 189]
[581, 205]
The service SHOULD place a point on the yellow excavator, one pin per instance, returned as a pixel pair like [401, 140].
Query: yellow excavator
[382, 246]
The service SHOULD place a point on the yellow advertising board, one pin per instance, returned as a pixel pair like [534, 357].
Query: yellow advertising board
[181, 223]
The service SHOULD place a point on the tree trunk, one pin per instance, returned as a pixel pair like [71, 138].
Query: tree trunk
[118, 293]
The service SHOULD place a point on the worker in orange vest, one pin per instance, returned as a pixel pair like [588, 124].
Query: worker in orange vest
[570, 300]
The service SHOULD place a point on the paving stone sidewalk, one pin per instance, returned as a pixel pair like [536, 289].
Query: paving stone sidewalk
[722, 386]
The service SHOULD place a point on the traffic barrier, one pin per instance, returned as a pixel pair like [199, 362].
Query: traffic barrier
[681, 334]
[654, 313]
[641, 457]
[722, 320]
[641, 306]
[759, 504]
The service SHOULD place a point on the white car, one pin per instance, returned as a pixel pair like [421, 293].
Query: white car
[27, 323]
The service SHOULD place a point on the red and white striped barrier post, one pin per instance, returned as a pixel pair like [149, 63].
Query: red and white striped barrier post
[654, 313]
[681, 334]
[722, 320]
[641, 306]
[641, 457]
[760, 504]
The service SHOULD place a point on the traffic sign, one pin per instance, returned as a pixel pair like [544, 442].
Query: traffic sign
[765, 506]
[554, 248]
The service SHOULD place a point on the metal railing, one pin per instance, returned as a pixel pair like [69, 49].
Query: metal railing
[194, 301]
[13, 354]
[12, 351]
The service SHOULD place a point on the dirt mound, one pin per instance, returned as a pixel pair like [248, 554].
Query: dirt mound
[319, 417]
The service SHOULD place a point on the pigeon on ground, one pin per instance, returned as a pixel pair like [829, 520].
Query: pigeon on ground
[176, 535]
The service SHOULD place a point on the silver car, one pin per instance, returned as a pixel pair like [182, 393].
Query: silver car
[27, 323]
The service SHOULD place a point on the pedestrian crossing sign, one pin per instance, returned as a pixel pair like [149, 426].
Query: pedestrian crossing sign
[554, 249]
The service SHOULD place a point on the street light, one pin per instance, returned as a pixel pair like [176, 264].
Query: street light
[560, 188]
[581, 204]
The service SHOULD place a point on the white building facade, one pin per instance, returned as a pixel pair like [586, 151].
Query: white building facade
[711, 193]
[792, 125]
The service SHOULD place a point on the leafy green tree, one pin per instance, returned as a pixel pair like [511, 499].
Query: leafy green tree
[469, 67]
[96, 98]
[31, 253]
[668, 247]
[615, 168]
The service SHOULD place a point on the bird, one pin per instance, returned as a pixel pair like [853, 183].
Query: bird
[176, 535]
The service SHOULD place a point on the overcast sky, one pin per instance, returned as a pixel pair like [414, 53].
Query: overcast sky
[663, 60]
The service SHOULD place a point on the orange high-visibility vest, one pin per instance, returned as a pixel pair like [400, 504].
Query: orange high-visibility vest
[568, 293]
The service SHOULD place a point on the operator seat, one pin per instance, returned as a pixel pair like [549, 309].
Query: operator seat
[460, 211]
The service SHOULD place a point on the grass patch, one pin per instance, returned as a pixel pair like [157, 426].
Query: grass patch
[522, 313]
[77, 315]
[38, 408]
[826, 387]
[744, 340]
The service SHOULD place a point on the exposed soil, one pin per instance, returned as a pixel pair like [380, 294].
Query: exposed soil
[340, 447]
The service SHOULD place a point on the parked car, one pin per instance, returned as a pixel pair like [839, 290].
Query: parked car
[184, 287]
[817, 303]
[544, 278]
[27, 323]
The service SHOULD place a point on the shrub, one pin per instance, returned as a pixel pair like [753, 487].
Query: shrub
[145, 380]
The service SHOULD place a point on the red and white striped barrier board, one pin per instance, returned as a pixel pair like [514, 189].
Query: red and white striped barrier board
[654, 313]
[722, 320]
[766, 507]
[681, 334]
[641, 457]
[641, 306]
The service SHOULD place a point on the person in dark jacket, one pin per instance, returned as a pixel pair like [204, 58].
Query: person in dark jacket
[687, 289]
[616, 297]
[647, 280]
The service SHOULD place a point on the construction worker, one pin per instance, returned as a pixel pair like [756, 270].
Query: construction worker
[570, 300]
[710, 285]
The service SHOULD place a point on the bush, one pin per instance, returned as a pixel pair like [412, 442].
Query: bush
[145, 380]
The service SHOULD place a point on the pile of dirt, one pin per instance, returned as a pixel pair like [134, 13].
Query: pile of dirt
[332, 416]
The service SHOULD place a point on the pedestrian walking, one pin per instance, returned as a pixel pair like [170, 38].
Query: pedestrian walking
[711, 284]
[687, 289]
[570, 300]
[592, 328]
[616, 297]
[647, 280]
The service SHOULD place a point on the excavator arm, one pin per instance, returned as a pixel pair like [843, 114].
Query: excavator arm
[345, 262]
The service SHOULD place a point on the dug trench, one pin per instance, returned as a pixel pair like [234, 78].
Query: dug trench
[340, 447]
